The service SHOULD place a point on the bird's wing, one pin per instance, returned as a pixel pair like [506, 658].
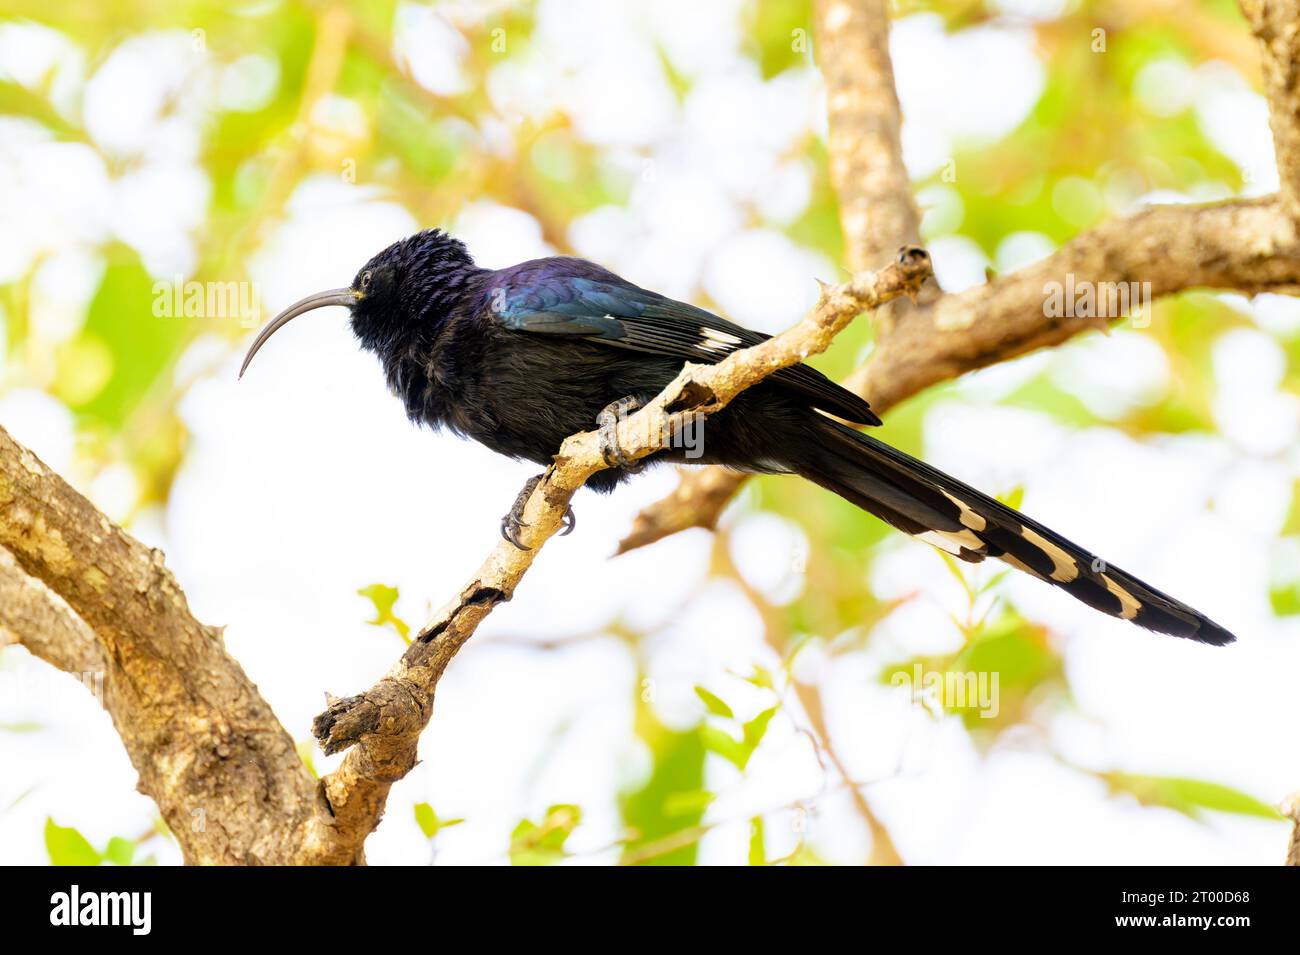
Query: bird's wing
[625, 316]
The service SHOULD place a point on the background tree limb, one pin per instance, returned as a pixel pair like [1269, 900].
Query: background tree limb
[34, 616]
[1247, 246]
[1276, 25]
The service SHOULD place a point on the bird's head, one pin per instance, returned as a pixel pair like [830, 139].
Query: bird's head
[406, 289]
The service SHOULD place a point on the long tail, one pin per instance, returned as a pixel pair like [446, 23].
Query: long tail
[928, 504]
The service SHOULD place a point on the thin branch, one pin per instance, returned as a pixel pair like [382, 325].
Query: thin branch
[37, 618]
[382, 725]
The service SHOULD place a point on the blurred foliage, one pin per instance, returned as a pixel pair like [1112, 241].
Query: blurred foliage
[1087, 149]
[67, 846]
[672, 799]
[384, 599]
[1192, 797]
[542, 843]
[429, 822]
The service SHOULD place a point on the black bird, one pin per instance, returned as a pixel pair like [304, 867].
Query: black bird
[520, 358]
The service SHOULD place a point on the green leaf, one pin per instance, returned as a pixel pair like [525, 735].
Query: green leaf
[384, 598]
[307, 753]
[25, 726]
[672, 797]
[66, 846]
[688, 803]
[990, 681]
[120, 851]
[959, 575]
[756, 728]
[779, 35]
[757, 851]
[123, 348]
[429, 822]
[1285, 598]
[1014, 498]
[1292, 523]
[427, 819]
[1191, 797]
[738, 751]
[543, 843]
[713, 704]
[718, 741]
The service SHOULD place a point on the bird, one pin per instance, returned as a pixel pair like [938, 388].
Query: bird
[520, 358]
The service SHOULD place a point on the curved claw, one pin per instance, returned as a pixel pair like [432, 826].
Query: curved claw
[570, 522]
[514, 522]
[510, 528]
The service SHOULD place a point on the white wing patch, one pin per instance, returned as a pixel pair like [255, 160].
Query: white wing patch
[711, 339]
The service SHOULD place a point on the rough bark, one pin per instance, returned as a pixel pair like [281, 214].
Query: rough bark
[224, 773]
[1246, 245]
[877, 211]
[1276, 25]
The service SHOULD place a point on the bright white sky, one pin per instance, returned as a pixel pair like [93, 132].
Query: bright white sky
[305, 482]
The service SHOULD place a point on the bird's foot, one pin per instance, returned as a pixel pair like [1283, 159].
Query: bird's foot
[607, 421]
[513, 523]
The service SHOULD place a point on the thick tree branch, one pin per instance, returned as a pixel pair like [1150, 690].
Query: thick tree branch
[1276, 25]
[224, 773]
[383, 724]
[1242, 245]
[1246, 246]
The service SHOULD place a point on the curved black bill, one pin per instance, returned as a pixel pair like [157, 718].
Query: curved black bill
[335, 296]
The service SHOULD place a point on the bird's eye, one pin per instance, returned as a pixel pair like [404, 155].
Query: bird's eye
[365, 280]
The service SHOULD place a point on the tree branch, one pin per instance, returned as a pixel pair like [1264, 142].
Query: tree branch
[1276, 25]
[877, 211]
[1244, 245]
[224, 773]
[37, 618]
[383, 724]
[1292, 809]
